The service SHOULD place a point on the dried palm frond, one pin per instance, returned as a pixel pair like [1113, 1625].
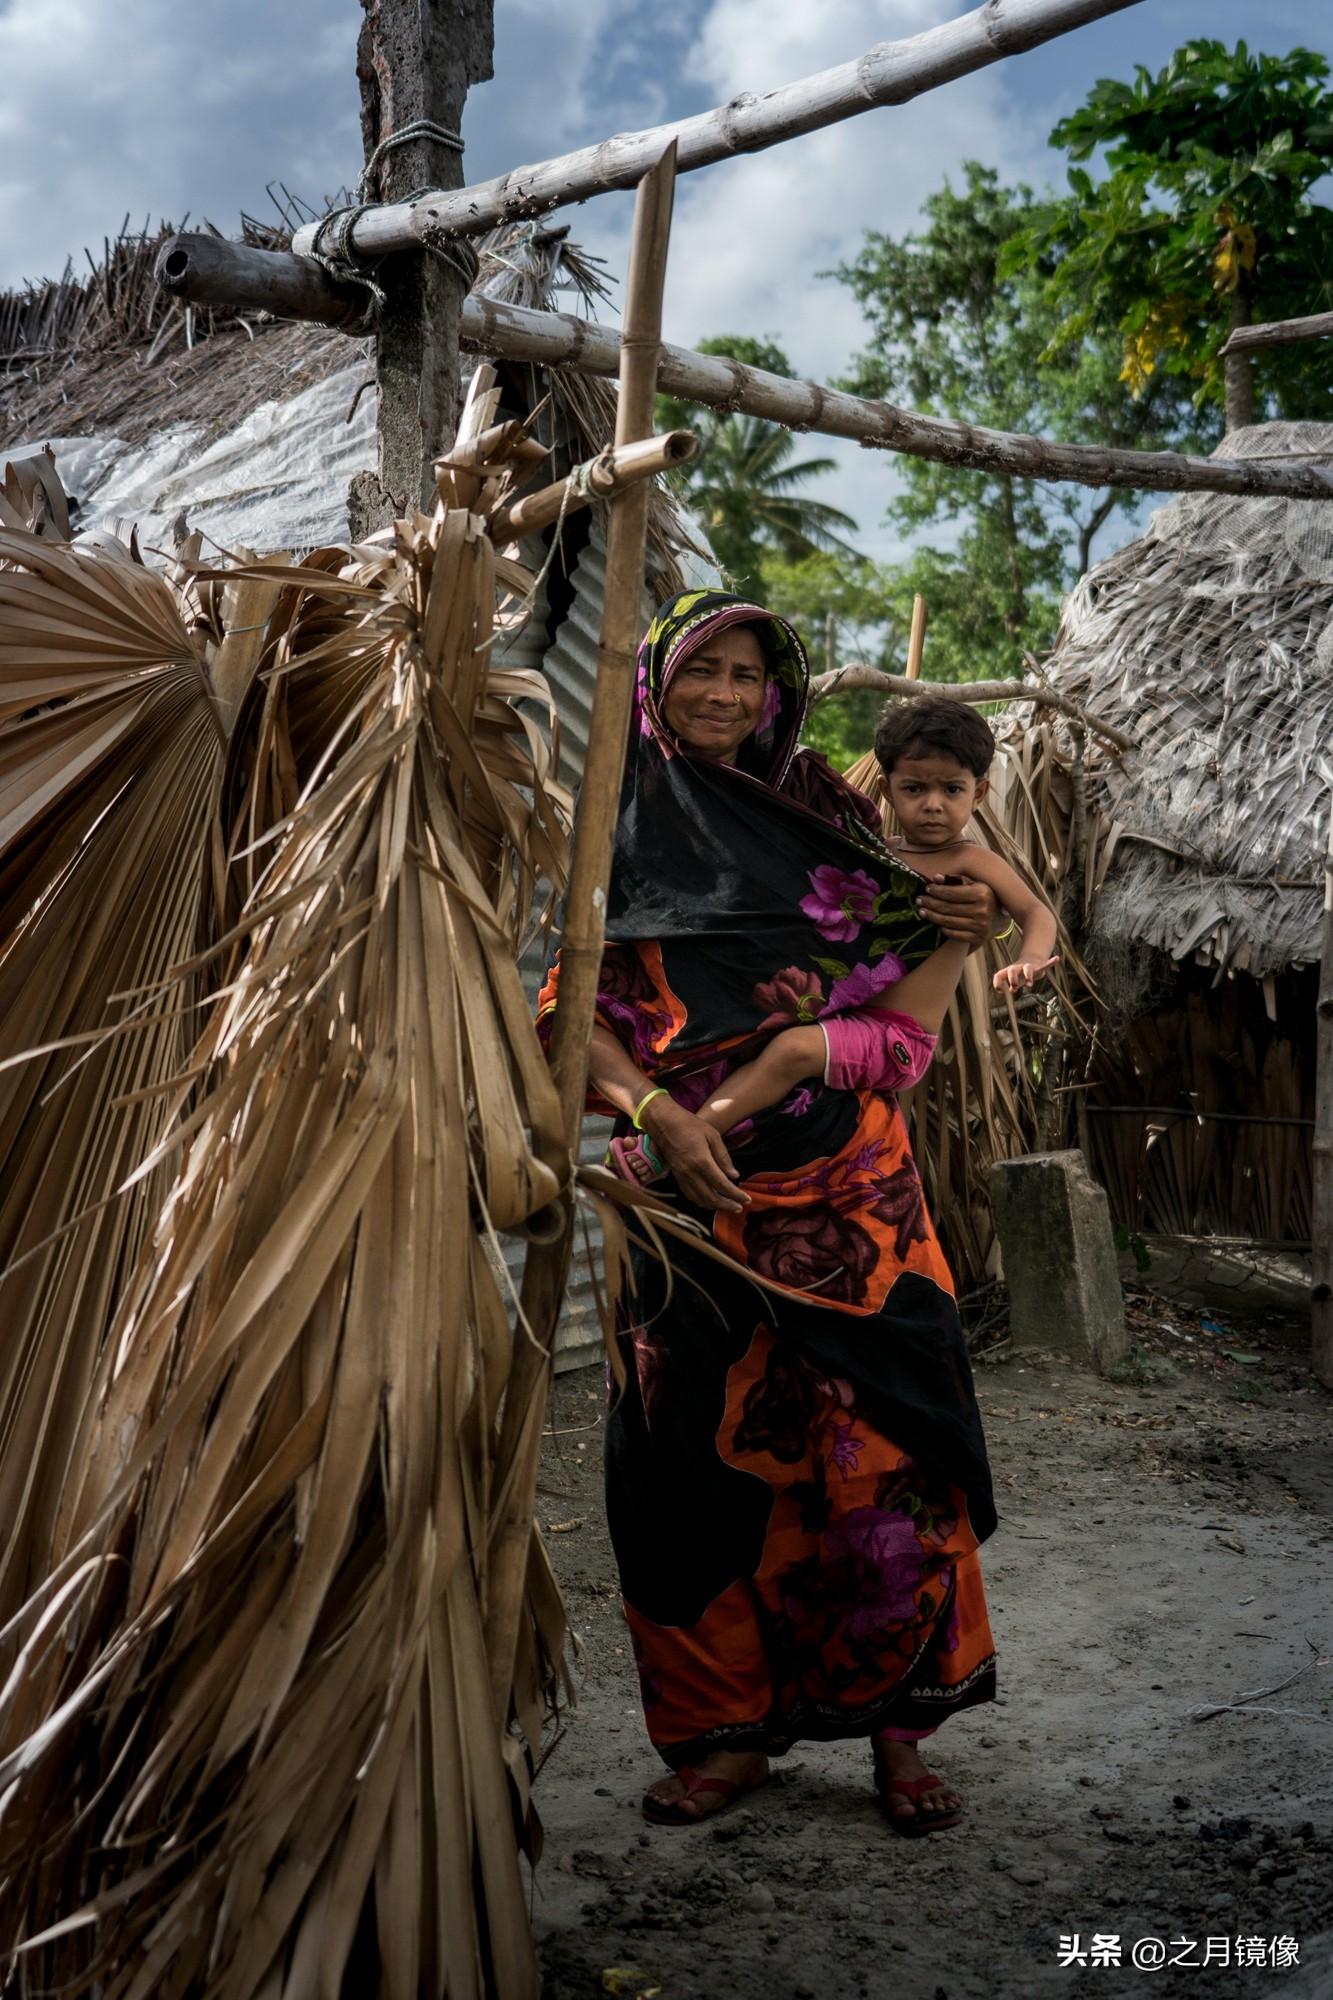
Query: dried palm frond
[251, 1736]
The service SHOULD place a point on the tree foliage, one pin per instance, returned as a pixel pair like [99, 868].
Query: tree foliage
[744, 485]
[955, 331]
[1204, 220]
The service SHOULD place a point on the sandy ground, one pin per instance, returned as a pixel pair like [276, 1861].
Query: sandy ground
[1166, 1542]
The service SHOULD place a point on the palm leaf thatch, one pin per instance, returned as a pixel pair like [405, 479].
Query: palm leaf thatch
[269, 837]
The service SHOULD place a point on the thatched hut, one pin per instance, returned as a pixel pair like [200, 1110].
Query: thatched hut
[1209, 639]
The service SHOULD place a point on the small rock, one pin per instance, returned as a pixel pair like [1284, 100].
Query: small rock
[1027, 1878]
[759, 1899]
[1180, 1802]
[601, 1791]
[733, 1826]
[1086, 1778]
[989, 1742]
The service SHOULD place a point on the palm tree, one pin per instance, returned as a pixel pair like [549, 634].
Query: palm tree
[741, 489]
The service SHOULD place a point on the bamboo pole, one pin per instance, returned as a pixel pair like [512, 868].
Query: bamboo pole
[610, 472]
[1278, 333]
[857, 676]
[561, 340]
[556, 340]
[206, 270]
[890, 73]
[1321, 1201]
[582, 929]
[916, 643]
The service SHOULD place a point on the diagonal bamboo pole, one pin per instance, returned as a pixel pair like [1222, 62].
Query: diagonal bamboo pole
[207, 271]
[561, 340]
[581, 936]
[890, 73]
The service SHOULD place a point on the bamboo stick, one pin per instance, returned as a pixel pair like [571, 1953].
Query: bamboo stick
[858, 676]
[890, 73]
[237, 276]
[1278, 333]
[597, 479]
[916, 643]
[582, 930]
[1321, 1197]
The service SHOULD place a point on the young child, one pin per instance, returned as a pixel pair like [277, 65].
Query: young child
[935, 752]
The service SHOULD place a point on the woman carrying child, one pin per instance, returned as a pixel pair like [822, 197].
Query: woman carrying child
[796, 1474]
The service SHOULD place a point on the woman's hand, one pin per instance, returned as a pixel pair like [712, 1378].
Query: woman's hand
[694, 1151]
[968, 912]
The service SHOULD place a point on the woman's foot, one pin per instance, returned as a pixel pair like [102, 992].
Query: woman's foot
[700, 1791]
[914, 1798]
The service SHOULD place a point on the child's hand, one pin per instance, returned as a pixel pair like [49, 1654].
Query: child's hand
[1024, 972]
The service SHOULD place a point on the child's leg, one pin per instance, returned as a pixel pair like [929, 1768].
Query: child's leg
[756, 1086]
[926, 991]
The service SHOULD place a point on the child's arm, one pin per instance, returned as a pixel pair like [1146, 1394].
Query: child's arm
[1032, 914]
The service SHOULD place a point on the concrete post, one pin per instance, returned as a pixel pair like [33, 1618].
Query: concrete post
[1054, 1225]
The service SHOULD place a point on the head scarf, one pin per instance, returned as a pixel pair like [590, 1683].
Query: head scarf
[765, 883]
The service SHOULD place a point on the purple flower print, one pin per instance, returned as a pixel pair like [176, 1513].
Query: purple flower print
[840, 903]
[885, 1566]
[863, 982]
[772, 707]
[791, 995]
[844, 1448]
[798, 1103]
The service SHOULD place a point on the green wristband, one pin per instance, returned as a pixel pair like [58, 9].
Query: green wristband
[659, 1091]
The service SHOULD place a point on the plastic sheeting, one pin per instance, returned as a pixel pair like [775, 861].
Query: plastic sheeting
[277, 480]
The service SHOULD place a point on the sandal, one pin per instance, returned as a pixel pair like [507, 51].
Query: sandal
[913, 1825]
[636, 1160]
[728, 1790]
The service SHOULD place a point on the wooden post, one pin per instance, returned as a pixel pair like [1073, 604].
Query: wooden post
[916, 643]
[415, 60]
[582, 930]
[1321, 1202]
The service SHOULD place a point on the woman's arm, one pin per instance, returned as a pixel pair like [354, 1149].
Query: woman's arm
[693, 1149]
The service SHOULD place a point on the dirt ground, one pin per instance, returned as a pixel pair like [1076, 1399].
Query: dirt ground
[1166, 1544]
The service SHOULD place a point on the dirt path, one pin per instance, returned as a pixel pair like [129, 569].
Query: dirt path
[1165, 1542]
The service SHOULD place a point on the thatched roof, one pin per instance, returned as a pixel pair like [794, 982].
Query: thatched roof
[1210, 639]
[152, 407]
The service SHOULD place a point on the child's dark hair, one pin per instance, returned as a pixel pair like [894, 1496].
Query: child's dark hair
[921, 723]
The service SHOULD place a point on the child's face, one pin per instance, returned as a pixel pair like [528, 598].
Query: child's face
[934, 797]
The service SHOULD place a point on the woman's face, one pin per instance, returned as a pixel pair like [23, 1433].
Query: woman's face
[715, 697]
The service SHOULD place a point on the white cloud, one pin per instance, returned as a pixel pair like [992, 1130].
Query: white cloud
[146, 108]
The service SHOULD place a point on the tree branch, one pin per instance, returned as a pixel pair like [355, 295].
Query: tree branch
[1278, 333]
[856, 675]
[889, 73]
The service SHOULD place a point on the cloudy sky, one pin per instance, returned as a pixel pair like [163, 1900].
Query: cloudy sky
[151, 108]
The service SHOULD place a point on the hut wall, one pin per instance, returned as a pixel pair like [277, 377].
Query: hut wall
[1200, 1119]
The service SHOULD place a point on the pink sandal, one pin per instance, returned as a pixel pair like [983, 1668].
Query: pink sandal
[728, 1792]
[913, 1825]
[635, 1159]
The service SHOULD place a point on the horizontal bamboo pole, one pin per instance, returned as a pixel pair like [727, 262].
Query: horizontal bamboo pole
[233, 274]
[1279, 333]
[890, 73]
[205, 270]
[843, 679]
[597, 479]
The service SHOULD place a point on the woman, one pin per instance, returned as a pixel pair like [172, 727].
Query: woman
[796, 1475]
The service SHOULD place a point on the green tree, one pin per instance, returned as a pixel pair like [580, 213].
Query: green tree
[955, 332]
[1204, 221]
[744, 485]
